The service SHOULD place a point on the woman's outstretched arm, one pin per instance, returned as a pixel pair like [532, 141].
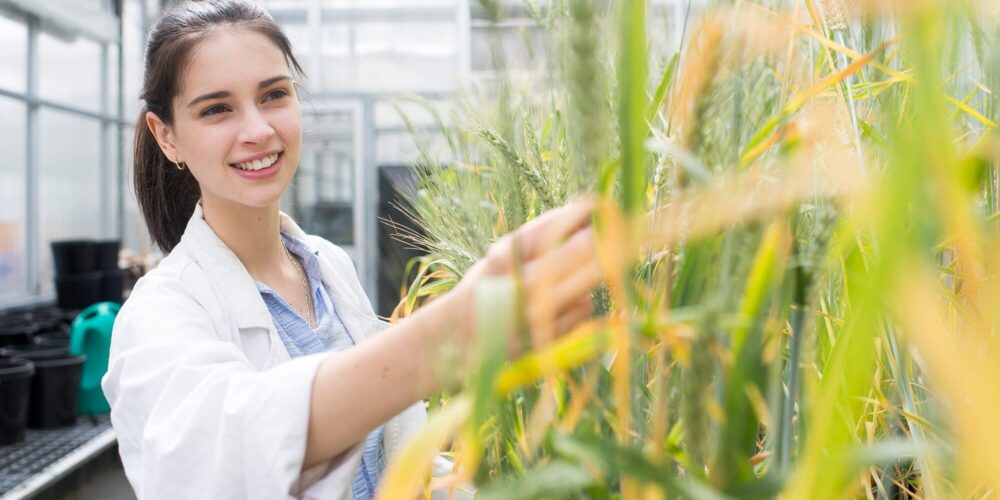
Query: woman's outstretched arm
[397, 368]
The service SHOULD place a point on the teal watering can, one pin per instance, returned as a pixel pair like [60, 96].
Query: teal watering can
[91, 336]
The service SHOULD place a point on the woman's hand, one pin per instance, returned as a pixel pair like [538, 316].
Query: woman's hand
[553, 258]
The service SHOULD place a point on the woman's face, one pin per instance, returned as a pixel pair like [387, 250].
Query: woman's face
[237, 123]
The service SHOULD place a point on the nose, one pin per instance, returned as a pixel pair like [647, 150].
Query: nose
[255, 128]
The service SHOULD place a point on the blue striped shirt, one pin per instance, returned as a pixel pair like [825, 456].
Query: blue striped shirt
[329, 335]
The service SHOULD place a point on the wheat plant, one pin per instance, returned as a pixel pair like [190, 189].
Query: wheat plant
[798, 225]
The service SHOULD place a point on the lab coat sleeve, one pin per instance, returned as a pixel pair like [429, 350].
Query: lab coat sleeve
[194, 418]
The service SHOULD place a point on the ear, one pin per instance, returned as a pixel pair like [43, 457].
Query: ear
[164, 137]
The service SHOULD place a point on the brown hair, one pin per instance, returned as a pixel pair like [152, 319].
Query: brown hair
[166, 195]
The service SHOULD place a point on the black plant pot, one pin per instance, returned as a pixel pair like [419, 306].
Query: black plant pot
[15, 391]
[33, 351]
[41, 321]
[48, 318]
[75, 257]
[112, 286]
[52, 339]
[16, 333]
[67, 316]
[107, 255]
[79, 290]
[59, 329]
[55, 391]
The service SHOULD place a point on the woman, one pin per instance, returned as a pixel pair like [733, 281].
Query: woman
[246, 364]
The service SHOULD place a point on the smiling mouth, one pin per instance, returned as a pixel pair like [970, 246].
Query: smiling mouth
[258, 164]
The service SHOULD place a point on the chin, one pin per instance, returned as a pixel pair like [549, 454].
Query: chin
[261, 202]
[256, 200]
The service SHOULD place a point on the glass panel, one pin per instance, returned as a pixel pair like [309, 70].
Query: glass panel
[69, 183]
[285, 3]
[334, 175]
[13, 264]
[385, 74]
[136, 237]
[327, 189]
[395, 148]
[324, 194]
[298, 36]
[134, 44]
[13, 54]
[384, 57]
[522, 49]
[70, 72]
[424, 38]
[387, 4]
[114, 189]
[153, 6]
[112, 78]
[99, 5]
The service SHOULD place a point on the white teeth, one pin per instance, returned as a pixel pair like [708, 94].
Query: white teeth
[264, 162]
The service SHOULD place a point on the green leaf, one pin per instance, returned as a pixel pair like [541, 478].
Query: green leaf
[613, 459]
[661, 89]
[556, 479]
[495, 310]
[632, 127]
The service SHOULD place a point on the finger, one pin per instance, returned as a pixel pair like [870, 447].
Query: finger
[532, 241]
[545, 326]
[576, 285]
[571, 210]
[551, 228]
[558, 262]
[542, 276]
[532, 238]
[547, 305]
[584, 302]
[499, 257]
[574, 316]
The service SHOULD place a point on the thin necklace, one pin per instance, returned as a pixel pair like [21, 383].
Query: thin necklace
[311, 318]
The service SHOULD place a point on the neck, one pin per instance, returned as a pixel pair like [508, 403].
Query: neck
[253, 234]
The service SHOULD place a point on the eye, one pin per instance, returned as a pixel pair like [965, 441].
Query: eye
[275, 94]
[214, 110]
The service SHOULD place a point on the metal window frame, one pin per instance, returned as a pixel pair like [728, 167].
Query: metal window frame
[108, 116]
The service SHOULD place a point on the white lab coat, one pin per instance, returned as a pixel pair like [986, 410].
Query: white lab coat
[205, 400]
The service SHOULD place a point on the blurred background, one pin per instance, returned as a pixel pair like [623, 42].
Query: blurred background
[378, 74]
[70, 74]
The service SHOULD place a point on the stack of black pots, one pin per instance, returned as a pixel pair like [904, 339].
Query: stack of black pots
[39, 378]
[87, 272]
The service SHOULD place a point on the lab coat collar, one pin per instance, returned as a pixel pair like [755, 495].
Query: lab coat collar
[239, 290]
[224, 268]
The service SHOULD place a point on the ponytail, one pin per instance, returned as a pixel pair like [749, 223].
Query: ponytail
[166, 195]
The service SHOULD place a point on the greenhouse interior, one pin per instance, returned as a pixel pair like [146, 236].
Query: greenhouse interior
[499, 249]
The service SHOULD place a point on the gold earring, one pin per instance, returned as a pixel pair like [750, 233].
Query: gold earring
[180, 165]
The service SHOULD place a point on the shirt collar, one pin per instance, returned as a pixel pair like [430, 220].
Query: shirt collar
[309, 259]
[307, 256]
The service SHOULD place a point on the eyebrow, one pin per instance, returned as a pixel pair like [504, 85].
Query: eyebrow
[225, 93]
